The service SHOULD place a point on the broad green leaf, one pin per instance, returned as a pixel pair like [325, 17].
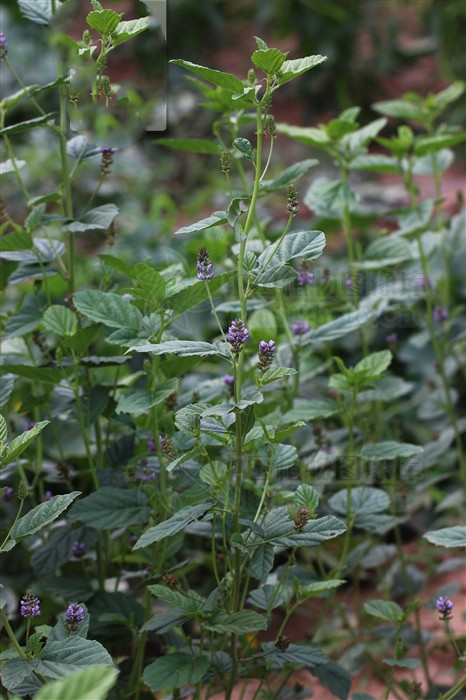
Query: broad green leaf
[425, 145]
[271, 375]
[110, 507]
[24, 321]
[267, 598]
[416, 219]
[192, 295]
[244, 147]
[16, 240]
[261, 561]
[290, 174]
[59, 658]
[7, 383]
[306, 497]
[110, 309]
[347, 323]
[280, 529]
[390, 450]
[407, 662]
[175, 524]
[270, 60]
[8, 167]
[300, 244]
[302, 655]
[38, 11]
[276, 276]
[215, 219]
[183, 348]
[14, 671]
[311, 410]
[49, 375]
[401, 109]
[448, 536]
[79, 148]
[20, 443]
[91, 683]
[449, 94]
[328, 198]
[317, 587]
[97, 218]
[42, 515]
[376, 163]
[356, 141]
[284, 457]
[291, 69]
[60, 320]
[27, 125]
[57, 549]
[175, 670]
[375, 364]
[385, 252]
[335, 677]
[141, 401]
[43, 250]
[191, 145]
[241, 622]
[105, 21]
[188, 601]
[225, 80]
[365, 499]
[128, 29]
[384, 610]
[161, 623]
[309, 136]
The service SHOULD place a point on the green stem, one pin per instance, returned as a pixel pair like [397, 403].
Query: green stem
[11, 635]
[14, 523]
[392, 670]
[450, 694]
[67, 202]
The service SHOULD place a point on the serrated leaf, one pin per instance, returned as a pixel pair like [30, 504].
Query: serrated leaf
[261, 561]
[425, 145]
[105, 21]
[110, 507]
[375, 364]
[448, 536]
[302, 655]
[270, 60]
[347, 323]
[24, 321]
[375, 163]
[182, 348]
[276, 276]
[79, 148]
[56, 550]
[335, 677]
[191, 145]
[20, 443]
[317, 587]
[175, 670]
[407, 662]
[328, 198]
[364, 499]
[300, 244]
[42, 515]
[60, 320]
[241, 622]
[175, 524]
[97, 218]
[188, 601]
[401, 109]
[357, 140]
[38, 11]
[306, 497]
[390, 450]
[94, 682]
[271, 375]
[290, 174]
[60, 658]
[225, 80]
[311, 410]
[110, 309]
[310, 136]
[385, 252]
[384, 610]
[215, 219]
[128, 29]
[141, 401]
[291, 69]
[40, 374]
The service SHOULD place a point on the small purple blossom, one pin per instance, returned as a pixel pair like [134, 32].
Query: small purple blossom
[444, 607]
[151, 444]
[78, 549]
[204, 265]
[237, 335]
[29, 605]
[348, 282]
[48, 495]
[305, 276]
[74, 616]
[3, 46]
[29, 425]
[300, 327]
[439, 314]
[228, 379]
[392, 339]
[422, 282]
[266, 354]
[133, 539]
[8, 494]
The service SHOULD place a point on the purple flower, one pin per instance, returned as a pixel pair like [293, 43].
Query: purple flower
[348, 282]
[444, 607]
[228, 379]
[300, 327]
[78, 549]
[439, 314]
[29, 425]
[29, 605]
[204, 265]
[305, 277]
[392, 339]
[266, 354]
[74, 616]
[8, 494]
[422, 282]
[133, 539]
[237, 335]
[3, 46]
[151, 444]
[48, 495]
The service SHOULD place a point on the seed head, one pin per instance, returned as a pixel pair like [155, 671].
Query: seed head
[29, 605]
[23, 490]
[204, 265]
[237, 335]
[302, 516]
[225, 161]
[282, 642]
[167, 448]
[106, 160]
[74, 616]
[292, 197]
[266, 354]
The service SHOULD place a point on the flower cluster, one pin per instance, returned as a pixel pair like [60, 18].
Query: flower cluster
[266, 354]
[167, 448]
[444, 607]
[305, 277]
[300, 327]
[3, 46]
[302, 516]
[237, 335]
[29, 605]
[106, 160]
[204, 265]
[8, 494]
[292, 198]
[78, 549]
[439, 314]
[74, 616]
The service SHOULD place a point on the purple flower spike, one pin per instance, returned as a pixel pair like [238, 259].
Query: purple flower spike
[29, 425]
[8, 494]
[305, 277]
[300, 327]
[266, 354]
[3, 46]
[237, 335]
[74, 616]
[444, 607]
[78, 549]
[204, 265]
[439, 314]
[29, 605]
